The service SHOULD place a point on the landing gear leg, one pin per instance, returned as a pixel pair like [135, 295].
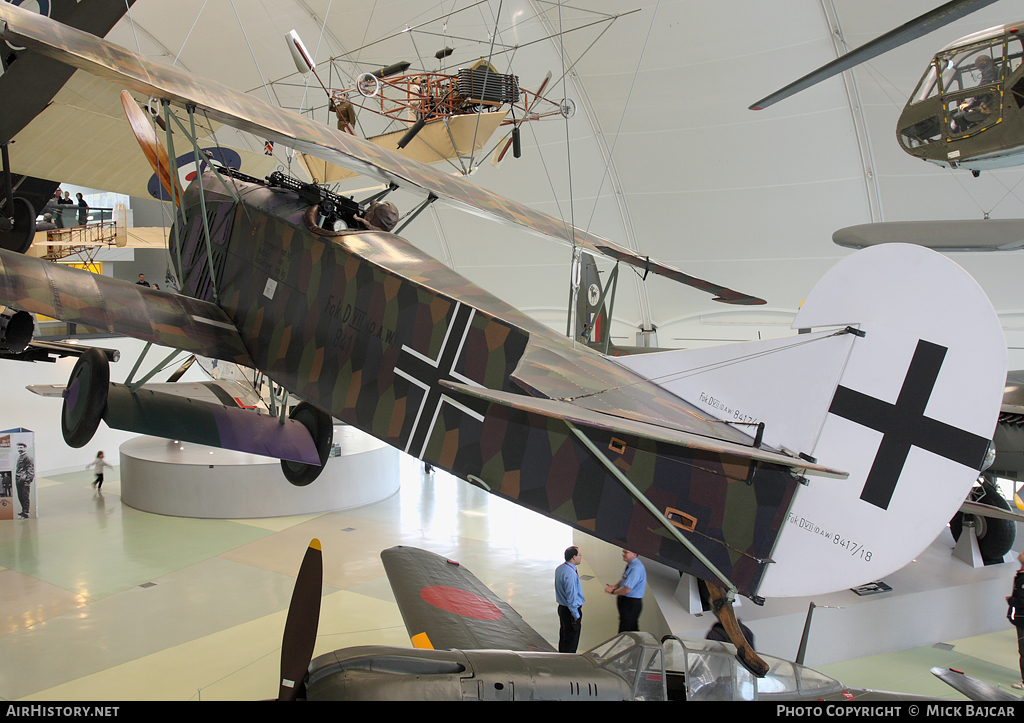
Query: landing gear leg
[727, 616]
[17, 217]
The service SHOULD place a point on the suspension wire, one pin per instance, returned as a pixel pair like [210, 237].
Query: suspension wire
[194, 22]
[575, 262]
[305, 88]
[487, 74]
[365, 31]
[682, 374]
[255, 62]
[622, 118]
[1009, 191]
[131, 21]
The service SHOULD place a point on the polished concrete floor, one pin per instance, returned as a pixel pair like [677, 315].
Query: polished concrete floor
[102, 602]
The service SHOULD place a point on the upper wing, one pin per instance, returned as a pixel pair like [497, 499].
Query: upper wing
[445, 606]
[119, 307]
[247, 113]
[102, 152]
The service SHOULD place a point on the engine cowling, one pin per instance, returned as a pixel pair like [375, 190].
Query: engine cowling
[16, 330]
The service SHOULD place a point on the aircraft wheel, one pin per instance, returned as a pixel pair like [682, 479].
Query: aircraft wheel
[19, 238]
[321, 427]
[85, 399]
[995, 537]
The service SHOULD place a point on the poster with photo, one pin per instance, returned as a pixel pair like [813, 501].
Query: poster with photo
[17, 475]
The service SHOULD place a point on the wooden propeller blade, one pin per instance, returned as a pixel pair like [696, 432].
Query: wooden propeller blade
[499, 155]
[155, 152]
[727, 616]
[301, 625]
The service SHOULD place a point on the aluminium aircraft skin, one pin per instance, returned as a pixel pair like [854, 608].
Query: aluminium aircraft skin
[367, 328]
[469, 644]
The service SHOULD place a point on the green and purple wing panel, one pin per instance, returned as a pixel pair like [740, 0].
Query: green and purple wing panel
[245, 112]
[119, 307]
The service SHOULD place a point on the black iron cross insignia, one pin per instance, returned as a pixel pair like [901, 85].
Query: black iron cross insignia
[904, 425]
[426, 373]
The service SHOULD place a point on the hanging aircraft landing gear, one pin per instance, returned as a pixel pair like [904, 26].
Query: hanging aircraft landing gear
[995, 536]
[19, 228]
[85, 399]
[17, 217]
[321, 428]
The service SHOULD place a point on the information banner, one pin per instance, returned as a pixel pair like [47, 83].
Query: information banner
[17, 475]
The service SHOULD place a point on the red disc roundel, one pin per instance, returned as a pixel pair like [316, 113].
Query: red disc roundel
[460, 602]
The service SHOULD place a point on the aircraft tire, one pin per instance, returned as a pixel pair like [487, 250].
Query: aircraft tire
[321, 427]
[85, 399]
[20, 237]
[995, 537]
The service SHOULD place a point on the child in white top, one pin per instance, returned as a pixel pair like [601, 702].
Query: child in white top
[98, 464]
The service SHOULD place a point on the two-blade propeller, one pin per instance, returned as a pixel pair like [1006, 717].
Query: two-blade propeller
[301, 626]
[916, 28]
[155, 152]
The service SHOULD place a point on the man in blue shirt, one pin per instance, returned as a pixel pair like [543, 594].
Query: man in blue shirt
[629, 592]
[569, 596]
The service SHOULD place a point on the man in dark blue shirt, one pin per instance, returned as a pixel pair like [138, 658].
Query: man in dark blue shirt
[569, 596]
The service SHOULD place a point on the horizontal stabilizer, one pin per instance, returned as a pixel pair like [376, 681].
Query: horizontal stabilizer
[971, 687]
[976, 235]
[191, 420]
[446, 607]
[584, 417]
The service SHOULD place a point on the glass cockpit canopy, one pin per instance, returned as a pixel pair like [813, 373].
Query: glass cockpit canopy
[713, 673]
[960, 66]
[638, 658]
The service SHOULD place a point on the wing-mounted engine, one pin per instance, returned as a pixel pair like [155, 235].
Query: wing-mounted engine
[302, 442]
[16, 329]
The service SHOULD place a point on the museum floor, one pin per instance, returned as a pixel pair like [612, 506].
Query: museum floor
[102, 602]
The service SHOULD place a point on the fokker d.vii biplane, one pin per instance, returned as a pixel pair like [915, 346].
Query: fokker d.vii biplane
[784, 467]
[469, 644]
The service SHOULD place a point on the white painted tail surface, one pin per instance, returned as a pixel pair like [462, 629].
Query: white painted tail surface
[907, 409]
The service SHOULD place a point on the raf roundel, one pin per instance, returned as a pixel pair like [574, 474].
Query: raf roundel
[186, 165]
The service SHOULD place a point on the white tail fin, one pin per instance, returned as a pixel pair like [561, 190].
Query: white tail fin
[906, 401]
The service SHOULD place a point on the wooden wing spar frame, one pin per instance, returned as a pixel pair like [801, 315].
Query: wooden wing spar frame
[246, 113]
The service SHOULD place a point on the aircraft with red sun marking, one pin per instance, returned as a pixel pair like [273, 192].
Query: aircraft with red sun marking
[471, 645]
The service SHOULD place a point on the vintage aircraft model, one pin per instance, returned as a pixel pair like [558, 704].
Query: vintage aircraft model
[700, 459]
[469, 644]
[441, 116]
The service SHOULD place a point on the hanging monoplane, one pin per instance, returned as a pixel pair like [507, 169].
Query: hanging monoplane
[777, 468]
[967, 112]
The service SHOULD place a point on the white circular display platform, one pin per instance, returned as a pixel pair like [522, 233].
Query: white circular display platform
[190, 480]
